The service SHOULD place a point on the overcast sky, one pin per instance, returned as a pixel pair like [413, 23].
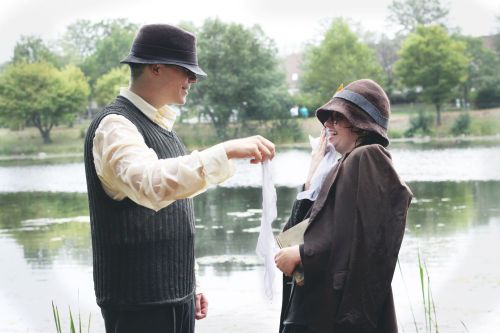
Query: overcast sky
[290, 23]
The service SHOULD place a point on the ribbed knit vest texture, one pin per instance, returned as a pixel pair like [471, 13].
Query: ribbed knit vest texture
[140, 257]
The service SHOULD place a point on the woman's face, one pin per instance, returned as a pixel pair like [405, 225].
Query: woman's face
[339, 133]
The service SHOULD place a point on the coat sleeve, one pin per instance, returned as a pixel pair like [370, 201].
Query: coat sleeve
[299, 212]
[382, 202]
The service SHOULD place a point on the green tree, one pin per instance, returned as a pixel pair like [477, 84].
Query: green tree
[340, 57]
[497, 36]
[81, 38]
[31, 49]
[483, 66]
[431, 60]
[117, 37]
[107, 86]
[386, 50]
[244, 78]
[408, 14]
[41, 95]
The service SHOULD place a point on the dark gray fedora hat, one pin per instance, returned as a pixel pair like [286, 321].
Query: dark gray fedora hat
[164, 44]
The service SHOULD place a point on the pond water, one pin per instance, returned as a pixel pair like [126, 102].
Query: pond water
[453, 222]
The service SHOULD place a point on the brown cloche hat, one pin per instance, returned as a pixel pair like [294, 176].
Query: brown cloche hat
[364, 103]
[164, 44]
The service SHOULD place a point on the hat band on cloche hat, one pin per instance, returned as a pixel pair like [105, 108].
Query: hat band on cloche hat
[364, 105]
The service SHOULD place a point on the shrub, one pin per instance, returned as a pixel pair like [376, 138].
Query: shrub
[488, 96]
[462, 124]
[420, 125]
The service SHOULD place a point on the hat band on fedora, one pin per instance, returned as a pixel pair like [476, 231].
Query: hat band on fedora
[364, 105]
[161, 53]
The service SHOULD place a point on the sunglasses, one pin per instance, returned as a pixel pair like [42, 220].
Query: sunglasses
[189, 74]
[334, 119]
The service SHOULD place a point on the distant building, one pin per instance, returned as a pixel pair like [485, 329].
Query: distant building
[491, 42]
[293, 71]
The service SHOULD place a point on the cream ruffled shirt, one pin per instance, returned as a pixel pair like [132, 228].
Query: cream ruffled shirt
[127, 167]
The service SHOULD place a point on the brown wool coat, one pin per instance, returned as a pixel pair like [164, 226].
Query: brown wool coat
[352, 243]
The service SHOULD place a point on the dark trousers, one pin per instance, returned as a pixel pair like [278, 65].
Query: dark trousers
[294, 329]
[177, 318]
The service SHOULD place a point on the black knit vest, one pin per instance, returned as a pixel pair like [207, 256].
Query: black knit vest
[140, 257]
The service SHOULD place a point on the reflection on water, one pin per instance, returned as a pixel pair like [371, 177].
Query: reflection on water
[46, 254]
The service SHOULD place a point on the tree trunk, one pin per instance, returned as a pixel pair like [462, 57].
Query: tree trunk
[44, 131]
[438, 114]
[46, 136]
[220, 130]
[466, 93]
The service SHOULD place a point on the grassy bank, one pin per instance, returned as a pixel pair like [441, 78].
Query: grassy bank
[29, 142]
[284, 133]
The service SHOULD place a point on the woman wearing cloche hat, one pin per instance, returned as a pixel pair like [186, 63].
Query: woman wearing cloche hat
[356, 209]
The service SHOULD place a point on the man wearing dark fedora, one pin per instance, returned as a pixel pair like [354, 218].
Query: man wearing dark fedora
[140, 183]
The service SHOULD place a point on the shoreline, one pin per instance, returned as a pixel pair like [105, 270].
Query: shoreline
[41, 156]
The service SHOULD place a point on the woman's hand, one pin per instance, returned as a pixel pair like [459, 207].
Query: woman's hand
[316, 157]
[287, 259]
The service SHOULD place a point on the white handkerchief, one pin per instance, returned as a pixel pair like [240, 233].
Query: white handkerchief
[266, 246]
[324, 167]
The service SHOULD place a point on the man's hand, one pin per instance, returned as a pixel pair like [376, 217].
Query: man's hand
[201, 306]
[258, 148]
[287, 259]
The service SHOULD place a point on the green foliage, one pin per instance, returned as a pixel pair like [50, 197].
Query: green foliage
[427, 297]
[244, 78]
[282, 131]
[420, 125]
[395, 134]
[31, 49]
[488, 95]
[462, 124]
[286, 131]
[79, 40]
[482, 69]
[408, 14]
[72, 329]
[39, 94]
[433, 61]
[340, 58]
[108, 85]
[112, 45]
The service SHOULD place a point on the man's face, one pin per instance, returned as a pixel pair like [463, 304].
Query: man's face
[175, 83]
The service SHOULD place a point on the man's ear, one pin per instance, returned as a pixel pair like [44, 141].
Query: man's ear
[154, 68]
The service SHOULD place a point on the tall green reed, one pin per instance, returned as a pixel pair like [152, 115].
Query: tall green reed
[427, 298]
[72, 329]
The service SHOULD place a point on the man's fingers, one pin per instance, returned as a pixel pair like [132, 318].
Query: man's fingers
[264, 151]
[204, 306]
[268, 146]
[198, 307]
[255, 153]
[201, 307]
[257, 148]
